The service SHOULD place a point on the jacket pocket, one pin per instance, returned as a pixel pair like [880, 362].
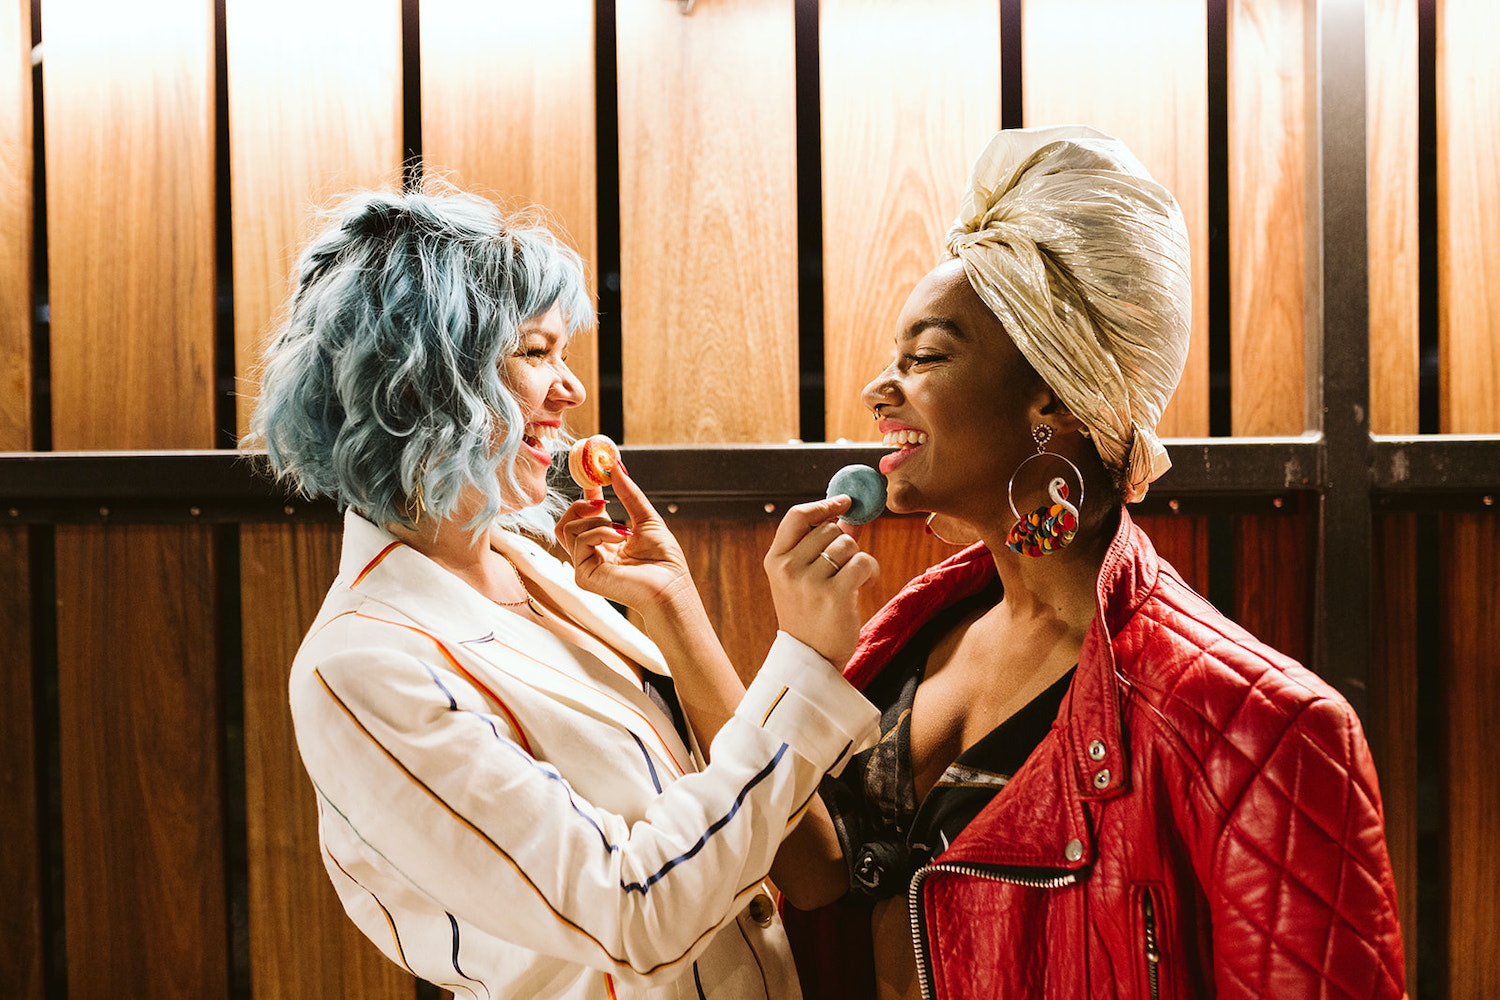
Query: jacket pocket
[1151, 926]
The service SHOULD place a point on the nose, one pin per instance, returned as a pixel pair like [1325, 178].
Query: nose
[566, 388]
[881, 388]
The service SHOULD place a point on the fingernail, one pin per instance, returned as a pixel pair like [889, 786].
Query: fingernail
[624, 532]
[601, 503]
[620, 464]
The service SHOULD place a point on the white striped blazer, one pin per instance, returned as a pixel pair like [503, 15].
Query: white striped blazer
[505, 816]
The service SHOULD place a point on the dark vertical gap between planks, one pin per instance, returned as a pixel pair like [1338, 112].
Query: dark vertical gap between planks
[1432, 792]
[226, 540]
[1011, 47]
[607, 176]
[1219, 347]
[1429, 416]
[47, 726]
[813, 418]
[411, 95]
[41, 326]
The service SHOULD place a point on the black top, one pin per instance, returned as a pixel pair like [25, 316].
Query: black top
[885, 832]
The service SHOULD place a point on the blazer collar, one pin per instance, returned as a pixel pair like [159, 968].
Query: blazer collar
[377, 564]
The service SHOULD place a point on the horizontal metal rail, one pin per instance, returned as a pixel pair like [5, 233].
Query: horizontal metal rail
[1208, 475]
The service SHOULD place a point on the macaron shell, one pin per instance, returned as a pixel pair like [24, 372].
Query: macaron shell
[865, 487]
[591, 461]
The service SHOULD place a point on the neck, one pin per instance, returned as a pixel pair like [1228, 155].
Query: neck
[1058, 585]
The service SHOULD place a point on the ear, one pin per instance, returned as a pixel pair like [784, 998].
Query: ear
[1048, 408]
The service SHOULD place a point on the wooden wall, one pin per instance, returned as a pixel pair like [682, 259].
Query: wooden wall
[326, 95]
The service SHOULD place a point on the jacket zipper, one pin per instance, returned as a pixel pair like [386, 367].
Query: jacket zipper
[1153, 956]
[1039, 878]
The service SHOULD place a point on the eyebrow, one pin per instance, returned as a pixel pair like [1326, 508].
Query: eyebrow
[941, 323]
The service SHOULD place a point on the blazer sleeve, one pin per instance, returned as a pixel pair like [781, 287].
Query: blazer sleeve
[449, 797]
[1303, 902]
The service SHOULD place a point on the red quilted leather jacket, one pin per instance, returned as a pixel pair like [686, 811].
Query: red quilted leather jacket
[1201, 821]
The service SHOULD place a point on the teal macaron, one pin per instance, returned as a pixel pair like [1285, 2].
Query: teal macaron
[865, 487]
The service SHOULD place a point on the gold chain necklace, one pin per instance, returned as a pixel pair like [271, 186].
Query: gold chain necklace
[530, 601]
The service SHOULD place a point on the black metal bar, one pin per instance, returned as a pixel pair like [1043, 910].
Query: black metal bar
[1208, 475]
[1342, 594]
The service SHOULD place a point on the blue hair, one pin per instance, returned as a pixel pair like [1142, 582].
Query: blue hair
[382, 388]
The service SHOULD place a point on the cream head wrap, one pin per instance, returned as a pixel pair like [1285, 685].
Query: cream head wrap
[1084, 259]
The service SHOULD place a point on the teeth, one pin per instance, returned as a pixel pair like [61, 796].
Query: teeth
[542, 435]
[902, 438]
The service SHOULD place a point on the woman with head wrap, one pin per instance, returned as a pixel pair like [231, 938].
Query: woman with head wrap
[1090, 783]
[509, 804]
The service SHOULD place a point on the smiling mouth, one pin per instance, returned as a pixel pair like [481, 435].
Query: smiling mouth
[539, 437]
[904, 439]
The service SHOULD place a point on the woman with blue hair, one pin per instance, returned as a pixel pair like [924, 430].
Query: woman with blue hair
[512, 802]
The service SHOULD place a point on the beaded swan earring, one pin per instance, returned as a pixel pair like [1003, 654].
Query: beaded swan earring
[1052, 526]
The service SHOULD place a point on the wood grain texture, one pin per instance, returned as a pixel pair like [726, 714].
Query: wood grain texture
[140, 731]
[1273, 580]
[1395, 300]
[902, 122]
[1468, 95]
[1183, 542]
[20, 830]
[302, 944]
[1471, 633]
[1138, 71]
[21, 856]
[15, 226]
[708, 221]
[130, 220]
[726, 560]
[508, 112]
[1269, 77]
[1392, 728]
[313, 112]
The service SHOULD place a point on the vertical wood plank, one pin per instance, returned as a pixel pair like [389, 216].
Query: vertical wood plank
[15, 226]
[1273, 577]
[20, 831]
[327, 99]
[130, 119]
[708, 221]
[130, 208]
[1393, 710]
[1138, 71]
[1468, 84]
[1471, 633]
[1183, 542]
[313, 112]
[139, 724]
[1391, 117]
[302, 944]
[1468, 99]
[508, 112]
[1269, 75]
[902, 122]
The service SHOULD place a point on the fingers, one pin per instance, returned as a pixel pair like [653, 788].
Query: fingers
[803, 519]
[632, 497]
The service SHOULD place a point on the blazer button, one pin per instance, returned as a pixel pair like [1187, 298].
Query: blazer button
[1074, 850]
[762, 909]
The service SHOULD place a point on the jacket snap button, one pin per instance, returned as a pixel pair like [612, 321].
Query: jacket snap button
[1101, 778]
[1074, 850]
[762, 909]
[1096, 750]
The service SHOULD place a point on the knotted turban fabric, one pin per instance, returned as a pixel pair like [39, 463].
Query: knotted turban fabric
[1084, 259]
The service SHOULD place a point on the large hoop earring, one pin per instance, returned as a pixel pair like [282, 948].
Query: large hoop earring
[1052, 526]
[956, 542]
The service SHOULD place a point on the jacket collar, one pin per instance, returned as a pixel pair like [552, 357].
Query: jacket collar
[1090, 715]
[380, 566]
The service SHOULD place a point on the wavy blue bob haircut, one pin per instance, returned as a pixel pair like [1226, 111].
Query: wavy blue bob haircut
[382, 388]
